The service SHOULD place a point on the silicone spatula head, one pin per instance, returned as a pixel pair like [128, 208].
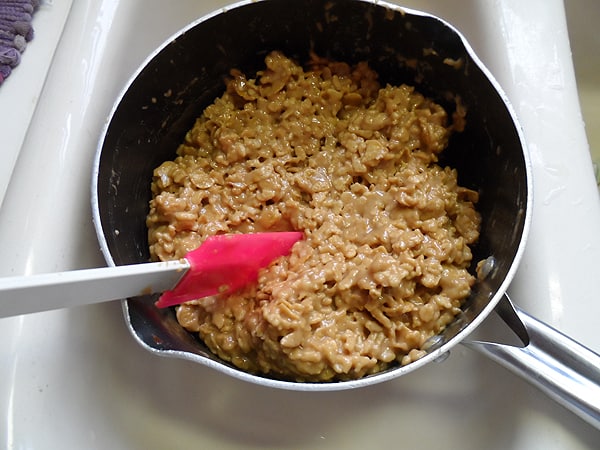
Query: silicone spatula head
[225, 263]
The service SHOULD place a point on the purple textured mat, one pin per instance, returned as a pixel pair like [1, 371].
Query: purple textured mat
[15, 32]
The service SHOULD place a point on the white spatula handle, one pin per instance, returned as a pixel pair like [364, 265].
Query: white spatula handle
[34, 293]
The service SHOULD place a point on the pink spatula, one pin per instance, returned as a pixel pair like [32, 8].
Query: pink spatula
[222, 264]
[226, 263]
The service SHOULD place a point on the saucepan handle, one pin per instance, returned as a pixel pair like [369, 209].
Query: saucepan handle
[561, 367]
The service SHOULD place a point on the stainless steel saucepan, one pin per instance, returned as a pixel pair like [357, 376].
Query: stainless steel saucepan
[182, 77]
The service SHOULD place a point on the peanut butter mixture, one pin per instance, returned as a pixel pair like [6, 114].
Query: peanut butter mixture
[328, 151]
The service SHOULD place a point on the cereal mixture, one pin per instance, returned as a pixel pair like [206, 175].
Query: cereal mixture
[326, 150]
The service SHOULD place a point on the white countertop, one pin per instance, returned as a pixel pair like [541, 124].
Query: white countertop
[75, 379]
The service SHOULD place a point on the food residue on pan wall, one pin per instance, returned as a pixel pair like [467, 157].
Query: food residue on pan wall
[455, 63]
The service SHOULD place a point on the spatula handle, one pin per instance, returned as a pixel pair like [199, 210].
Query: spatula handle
[34, 293]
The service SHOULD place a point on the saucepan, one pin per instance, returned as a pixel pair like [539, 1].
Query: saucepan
[184, 75]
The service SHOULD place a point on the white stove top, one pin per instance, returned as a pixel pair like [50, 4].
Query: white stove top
[75, 379]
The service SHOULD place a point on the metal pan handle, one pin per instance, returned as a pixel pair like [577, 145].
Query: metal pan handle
[562, 368]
